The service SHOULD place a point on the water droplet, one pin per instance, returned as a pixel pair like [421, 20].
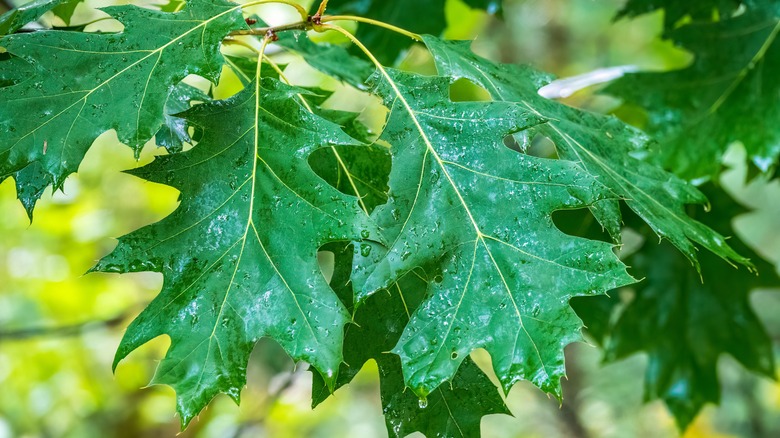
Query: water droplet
[422, 403]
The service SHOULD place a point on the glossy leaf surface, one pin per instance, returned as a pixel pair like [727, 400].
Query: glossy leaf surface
[104, 81]
[452, 410]
[479, 213]
[239, 254]
[15, 19]
[603, 146]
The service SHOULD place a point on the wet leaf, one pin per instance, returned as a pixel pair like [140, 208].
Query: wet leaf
[175, 132]
[604, 147]
[463, 203]
[15, 19]
[452, 410]
[104, 81]
[239, 255]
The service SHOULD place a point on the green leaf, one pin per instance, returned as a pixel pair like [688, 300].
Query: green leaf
[675, 10]
[729, 93]
[684, 325]
[603, 146]
[239, 255]
[15, 19]
[452, 410]
[175, 132]
[463, 203]
[103, 81]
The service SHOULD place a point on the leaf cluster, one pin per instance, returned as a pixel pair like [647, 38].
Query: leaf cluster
[440, 222]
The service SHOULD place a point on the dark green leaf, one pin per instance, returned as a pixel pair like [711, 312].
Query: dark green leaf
[239, 254]
[103, 81]
[675, 10]
[728, 94]
[175, 132]
[364, 170]
[463, 203]
[423, 17]
[452, 410]
[330, 59]
[14, 19]
[65, 10]
[684, 324]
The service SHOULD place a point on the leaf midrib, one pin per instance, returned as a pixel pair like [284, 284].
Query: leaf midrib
[480, 235]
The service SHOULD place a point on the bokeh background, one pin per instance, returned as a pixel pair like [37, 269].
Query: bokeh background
[59, 328]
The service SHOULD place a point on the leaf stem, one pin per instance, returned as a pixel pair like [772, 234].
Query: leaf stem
[360, 45]
[321, 9]
[378, 23]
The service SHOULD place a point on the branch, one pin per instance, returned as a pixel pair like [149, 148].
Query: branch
[300, 25]
[61, 331]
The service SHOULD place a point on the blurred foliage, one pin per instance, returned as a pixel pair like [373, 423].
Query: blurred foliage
[59, 329]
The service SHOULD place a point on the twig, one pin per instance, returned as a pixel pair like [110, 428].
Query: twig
[60, 331]
[300, 25]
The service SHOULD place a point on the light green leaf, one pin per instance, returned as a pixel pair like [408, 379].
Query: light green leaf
[603, 146]
[463, 203]
[239, 255]
[85, 84]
